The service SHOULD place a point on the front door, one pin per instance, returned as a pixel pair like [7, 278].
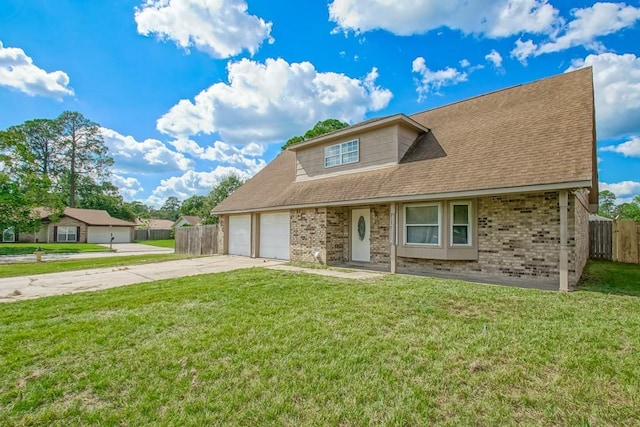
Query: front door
[360, 235]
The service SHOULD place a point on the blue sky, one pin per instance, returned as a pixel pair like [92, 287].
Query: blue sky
[187, 91]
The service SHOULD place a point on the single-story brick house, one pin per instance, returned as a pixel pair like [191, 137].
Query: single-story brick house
[80, 225]
[494, 188]
[153, 224]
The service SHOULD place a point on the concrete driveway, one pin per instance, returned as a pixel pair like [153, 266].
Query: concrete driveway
[41, 285]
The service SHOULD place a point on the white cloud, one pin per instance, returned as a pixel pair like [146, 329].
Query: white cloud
[493, 18]
[271, 102]
[465, 63]
[146, 156]
[222, 152]
[523, 50]
[253, 150]
[17, 71]
[495, 58]
[192, 182]
[598, 20]
[622, 190]
[588, 24]
[220, 28]
[432, 81]
[128, 186]
[630, 148]
[616, 81]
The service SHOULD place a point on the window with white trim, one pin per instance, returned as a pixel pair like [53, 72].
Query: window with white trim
[341, 154]
[422, 224]
[460, 223]
[67, 234]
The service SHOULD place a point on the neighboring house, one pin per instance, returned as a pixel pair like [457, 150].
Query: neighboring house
[494, 188]
[80, 225]
[187, 220]
[153, 224]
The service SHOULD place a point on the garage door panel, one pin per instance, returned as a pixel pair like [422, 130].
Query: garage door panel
[240, 235]
[274, 235]
[96, 234]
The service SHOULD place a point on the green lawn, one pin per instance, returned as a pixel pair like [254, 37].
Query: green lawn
[49, 248]
[29, 268]
[166, 243]
[265, 347]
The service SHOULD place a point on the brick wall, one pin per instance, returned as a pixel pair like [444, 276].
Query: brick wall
[380, 246]
[518, 239]
[579, 238]
[337, 224]
[308, 234]
[222, 220]
[65, 221]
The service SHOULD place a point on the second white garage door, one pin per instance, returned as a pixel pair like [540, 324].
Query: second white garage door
[274, 235]
[240, 235]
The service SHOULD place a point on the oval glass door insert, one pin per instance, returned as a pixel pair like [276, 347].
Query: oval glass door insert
[362, 228]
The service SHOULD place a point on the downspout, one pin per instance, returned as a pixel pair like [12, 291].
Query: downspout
[564, 231]
[392, 236]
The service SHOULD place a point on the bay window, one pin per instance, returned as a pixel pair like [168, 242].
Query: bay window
[442, 230]
[422, 224]
[460, 224]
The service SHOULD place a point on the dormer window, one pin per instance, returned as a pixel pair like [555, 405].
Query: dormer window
[341, 154]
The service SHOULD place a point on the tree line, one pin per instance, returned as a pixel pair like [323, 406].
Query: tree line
[53, 163]
[64, 162]
[609, 208]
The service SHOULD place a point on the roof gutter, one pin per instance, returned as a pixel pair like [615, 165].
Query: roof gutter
[423, 197]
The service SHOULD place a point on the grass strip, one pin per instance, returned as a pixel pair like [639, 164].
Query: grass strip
[30, 268]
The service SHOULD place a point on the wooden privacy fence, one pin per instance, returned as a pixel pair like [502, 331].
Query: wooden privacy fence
[617, 240]
[199, 240]
[152, 234]
[601, 240]
[626, 241]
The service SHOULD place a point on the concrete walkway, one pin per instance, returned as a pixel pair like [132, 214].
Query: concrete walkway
[41, 285]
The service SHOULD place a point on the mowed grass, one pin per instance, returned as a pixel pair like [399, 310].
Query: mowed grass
[49, 248]
[165, 243]
[30, 268]
[266, 347]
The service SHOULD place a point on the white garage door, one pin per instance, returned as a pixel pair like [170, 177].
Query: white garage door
[274, 235]
[103, 234]
[240, 235]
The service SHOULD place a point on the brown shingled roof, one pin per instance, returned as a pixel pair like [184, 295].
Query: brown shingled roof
[88, 216]
[537, 134]
[192, 220]
[95, 217]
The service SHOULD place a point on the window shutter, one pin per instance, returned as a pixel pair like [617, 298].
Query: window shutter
[15, 236]
[77, 234]
[55, 233]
